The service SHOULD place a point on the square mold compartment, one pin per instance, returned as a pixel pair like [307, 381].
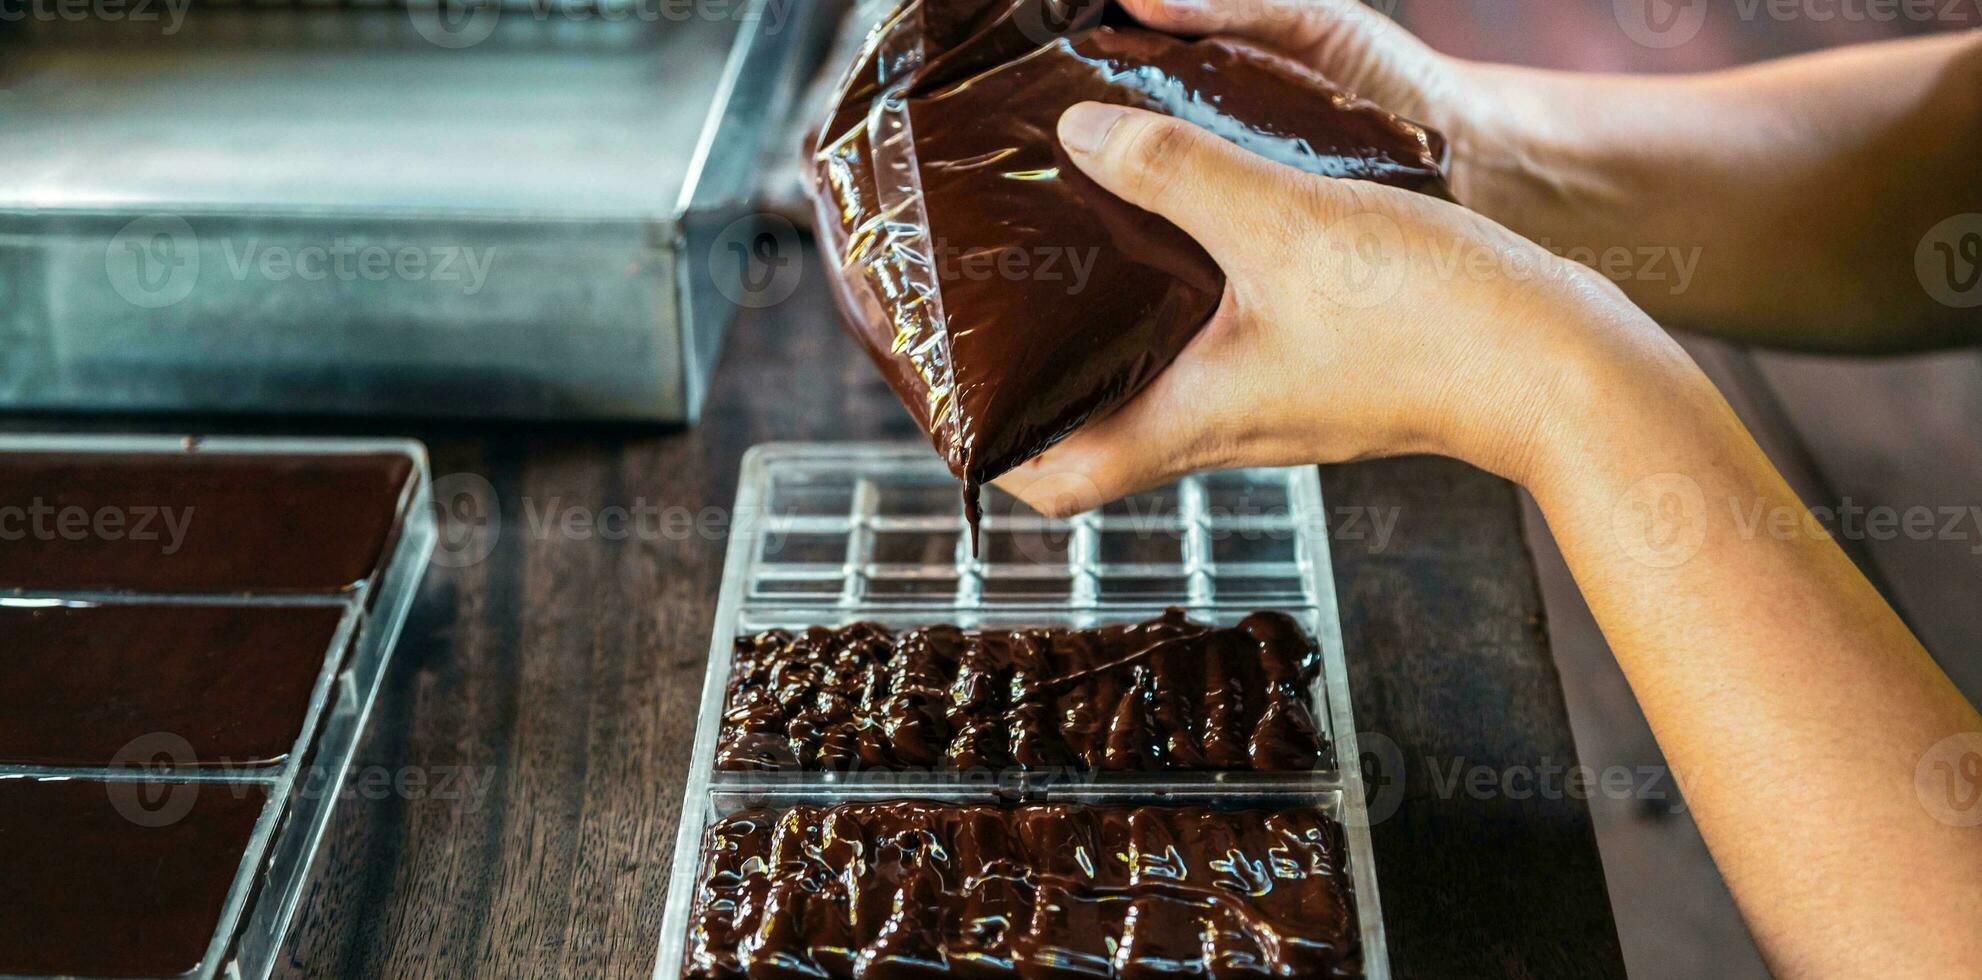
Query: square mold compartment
[879, 525]
[891, 548]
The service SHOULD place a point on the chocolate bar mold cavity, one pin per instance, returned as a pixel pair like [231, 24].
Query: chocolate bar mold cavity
[1351, 941]
[1165, 694]
[120, 878]
[92, 684]
[878, 889]
[272, 751]
[831, 535]
[203, 522]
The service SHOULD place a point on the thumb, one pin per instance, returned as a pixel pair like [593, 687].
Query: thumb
[1204, 184]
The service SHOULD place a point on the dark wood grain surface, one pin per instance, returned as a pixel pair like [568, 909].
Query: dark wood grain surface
[514, 809]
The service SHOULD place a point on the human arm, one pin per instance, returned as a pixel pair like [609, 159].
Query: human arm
[1795, 708]
[1789, 203]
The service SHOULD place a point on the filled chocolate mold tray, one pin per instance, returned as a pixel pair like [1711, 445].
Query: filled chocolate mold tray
[195, 632]
[864, 654]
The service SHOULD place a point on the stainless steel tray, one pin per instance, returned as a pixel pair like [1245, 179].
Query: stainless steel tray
[303, 791]
[825, 534]
[212, 215]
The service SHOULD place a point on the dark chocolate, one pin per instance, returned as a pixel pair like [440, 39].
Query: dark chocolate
[231, 685]
[87, 888]
[904, 889]
[1168, 694]
[1053, 301]
[196, 522]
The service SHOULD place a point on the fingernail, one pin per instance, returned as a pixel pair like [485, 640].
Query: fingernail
[1085, 127]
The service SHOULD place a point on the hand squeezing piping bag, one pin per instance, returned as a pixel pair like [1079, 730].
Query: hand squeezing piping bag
[1007, 298]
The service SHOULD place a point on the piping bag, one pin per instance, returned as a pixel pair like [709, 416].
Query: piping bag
[1007, 298]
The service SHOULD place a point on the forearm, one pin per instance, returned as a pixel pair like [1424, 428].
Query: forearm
[1793, 705]
[1782, 203]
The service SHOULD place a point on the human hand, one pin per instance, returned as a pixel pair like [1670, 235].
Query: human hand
[1358, 321]
[1354, 47]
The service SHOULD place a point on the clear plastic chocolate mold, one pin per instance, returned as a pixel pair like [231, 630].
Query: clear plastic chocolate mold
[828, 535]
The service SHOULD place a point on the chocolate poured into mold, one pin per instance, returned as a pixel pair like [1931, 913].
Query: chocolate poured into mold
[959, 230]
[913, 889]
[1167, 694]
[86, 890]
[81, 683]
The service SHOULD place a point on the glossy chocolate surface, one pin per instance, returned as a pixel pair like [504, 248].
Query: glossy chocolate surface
[86, 890]
[196, 522]
[1053, 301]
[888, 890]
[1168, 694]
[210, 685]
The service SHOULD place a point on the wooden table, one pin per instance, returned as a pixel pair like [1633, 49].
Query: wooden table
[515, 811]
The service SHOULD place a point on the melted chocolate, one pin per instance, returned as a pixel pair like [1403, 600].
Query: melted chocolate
[1006, 297]
[904, 889]
[78, 684]
[1168, 694]
[196, 522]
[86, 890]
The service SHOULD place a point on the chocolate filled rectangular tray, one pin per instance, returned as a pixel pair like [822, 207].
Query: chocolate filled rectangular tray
[863, 656]
[195, 630]
[1052, 889]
